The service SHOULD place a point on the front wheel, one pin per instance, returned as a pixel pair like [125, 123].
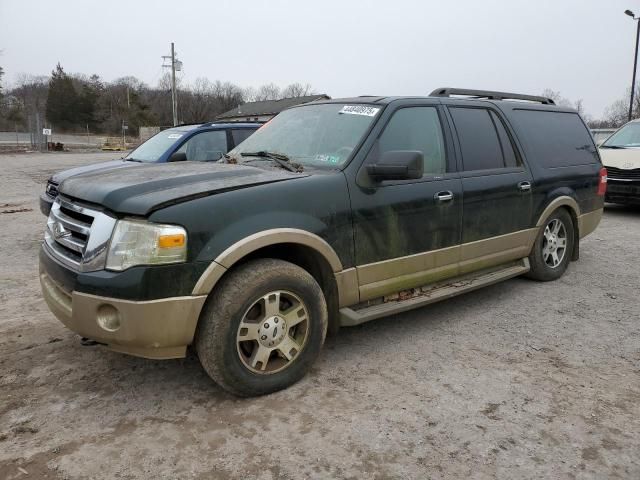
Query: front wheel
[553, 247]
[262, 328]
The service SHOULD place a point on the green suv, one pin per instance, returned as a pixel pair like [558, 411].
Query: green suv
[334, 213]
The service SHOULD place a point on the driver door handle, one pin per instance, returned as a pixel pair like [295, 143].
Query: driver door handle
[444, 196]
[524, 186]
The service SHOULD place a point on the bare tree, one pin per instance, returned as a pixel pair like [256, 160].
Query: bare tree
[204, 100]
[269, 91]
[249, 94]
[617, 114]
[297, 90]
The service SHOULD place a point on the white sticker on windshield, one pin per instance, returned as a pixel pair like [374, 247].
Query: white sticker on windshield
[174, 135]
[360, 110]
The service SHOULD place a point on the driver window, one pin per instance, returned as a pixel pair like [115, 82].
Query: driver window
[206, 146]
[417, 128]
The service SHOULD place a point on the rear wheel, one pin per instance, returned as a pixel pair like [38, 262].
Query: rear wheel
[262, 328]
[553, 247]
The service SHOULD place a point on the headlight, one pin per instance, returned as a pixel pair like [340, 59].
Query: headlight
[142, 243]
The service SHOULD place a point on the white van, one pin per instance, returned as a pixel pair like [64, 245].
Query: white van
[620, 155]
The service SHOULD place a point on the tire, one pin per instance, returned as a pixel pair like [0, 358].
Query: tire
[240, 340]
[544, 266]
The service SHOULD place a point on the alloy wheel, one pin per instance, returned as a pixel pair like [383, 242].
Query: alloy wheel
[273, 332]
[554, 245]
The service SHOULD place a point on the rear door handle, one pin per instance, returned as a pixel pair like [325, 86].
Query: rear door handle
[444, 196]
[524, 186]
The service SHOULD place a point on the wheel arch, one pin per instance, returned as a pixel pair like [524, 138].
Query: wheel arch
[571, 205]
[299, 247]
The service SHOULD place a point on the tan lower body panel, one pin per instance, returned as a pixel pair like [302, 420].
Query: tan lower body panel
[390, 276]
[151, 329]
[347, 283]
[588, 222]
[435, 293]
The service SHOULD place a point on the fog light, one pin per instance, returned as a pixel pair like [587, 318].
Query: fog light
[108, 318]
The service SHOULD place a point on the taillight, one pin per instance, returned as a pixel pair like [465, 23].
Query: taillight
[602, 182]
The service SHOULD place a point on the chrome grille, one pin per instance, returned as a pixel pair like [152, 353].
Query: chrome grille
[622, 174]
[78, 236]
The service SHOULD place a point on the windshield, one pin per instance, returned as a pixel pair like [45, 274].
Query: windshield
[151, 150]
[322, 135]
[627, 136]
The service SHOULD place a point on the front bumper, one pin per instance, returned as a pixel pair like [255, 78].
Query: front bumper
[161, 328]
[627, 192]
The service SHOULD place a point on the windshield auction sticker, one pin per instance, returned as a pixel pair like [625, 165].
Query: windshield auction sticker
[360, 110]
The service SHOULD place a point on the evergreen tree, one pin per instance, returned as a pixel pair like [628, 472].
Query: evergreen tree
[63, 102]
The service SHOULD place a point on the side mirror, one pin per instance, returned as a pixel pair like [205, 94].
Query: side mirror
[398, 165]
[178, 157]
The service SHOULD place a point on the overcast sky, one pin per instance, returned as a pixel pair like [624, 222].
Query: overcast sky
[582, 48]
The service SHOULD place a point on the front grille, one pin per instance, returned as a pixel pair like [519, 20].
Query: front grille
[78, 236]
[622, 174]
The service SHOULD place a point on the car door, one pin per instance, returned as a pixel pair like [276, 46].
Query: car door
[407, 232]
[496, 185]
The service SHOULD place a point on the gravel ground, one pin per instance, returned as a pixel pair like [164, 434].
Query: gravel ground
[519, 380]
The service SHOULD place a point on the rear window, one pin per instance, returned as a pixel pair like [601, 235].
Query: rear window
[556, 139]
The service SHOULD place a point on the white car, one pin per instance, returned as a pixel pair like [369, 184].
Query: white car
[620, 154]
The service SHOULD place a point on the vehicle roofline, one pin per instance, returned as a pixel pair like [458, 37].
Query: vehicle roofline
[386, 100]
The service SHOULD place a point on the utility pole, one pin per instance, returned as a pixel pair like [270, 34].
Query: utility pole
[635, 61]
[174, 97]
[175, 66]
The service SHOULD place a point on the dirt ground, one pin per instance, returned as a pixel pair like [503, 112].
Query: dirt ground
[516, 381]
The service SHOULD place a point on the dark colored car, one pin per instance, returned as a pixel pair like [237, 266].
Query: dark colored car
[201, 142]
[334, 213]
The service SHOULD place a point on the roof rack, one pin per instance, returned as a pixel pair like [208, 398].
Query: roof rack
[448, 92]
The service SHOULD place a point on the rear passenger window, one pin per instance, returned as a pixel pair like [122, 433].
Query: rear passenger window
[556, 139]
[240, 136]
[482, 149]
[417, 128]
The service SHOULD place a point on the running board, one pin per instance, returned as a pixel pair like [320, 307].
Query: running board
[350, 317]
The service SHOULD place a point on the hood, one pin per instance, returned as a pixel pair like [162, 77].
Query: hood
[624, 158]
[149, 187]
[96, 167]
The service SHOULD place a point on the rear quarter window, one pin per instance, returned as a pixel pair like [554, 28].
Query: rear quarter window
[555, 139]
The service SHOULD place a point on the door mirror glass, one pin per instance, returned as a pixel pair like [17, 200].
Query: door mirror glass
[397, 165]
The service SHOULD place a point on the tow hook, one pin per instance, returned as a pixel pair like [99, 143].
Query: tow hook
[87, 342]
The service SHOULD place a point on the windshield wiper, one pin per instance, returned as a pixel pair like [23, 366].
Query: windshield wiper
[132, 160]
[611, 146]
[279, 158]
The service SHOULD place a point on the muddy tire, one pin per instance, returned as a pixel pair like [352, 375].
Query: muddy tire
[553, 248]
[262, 327]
